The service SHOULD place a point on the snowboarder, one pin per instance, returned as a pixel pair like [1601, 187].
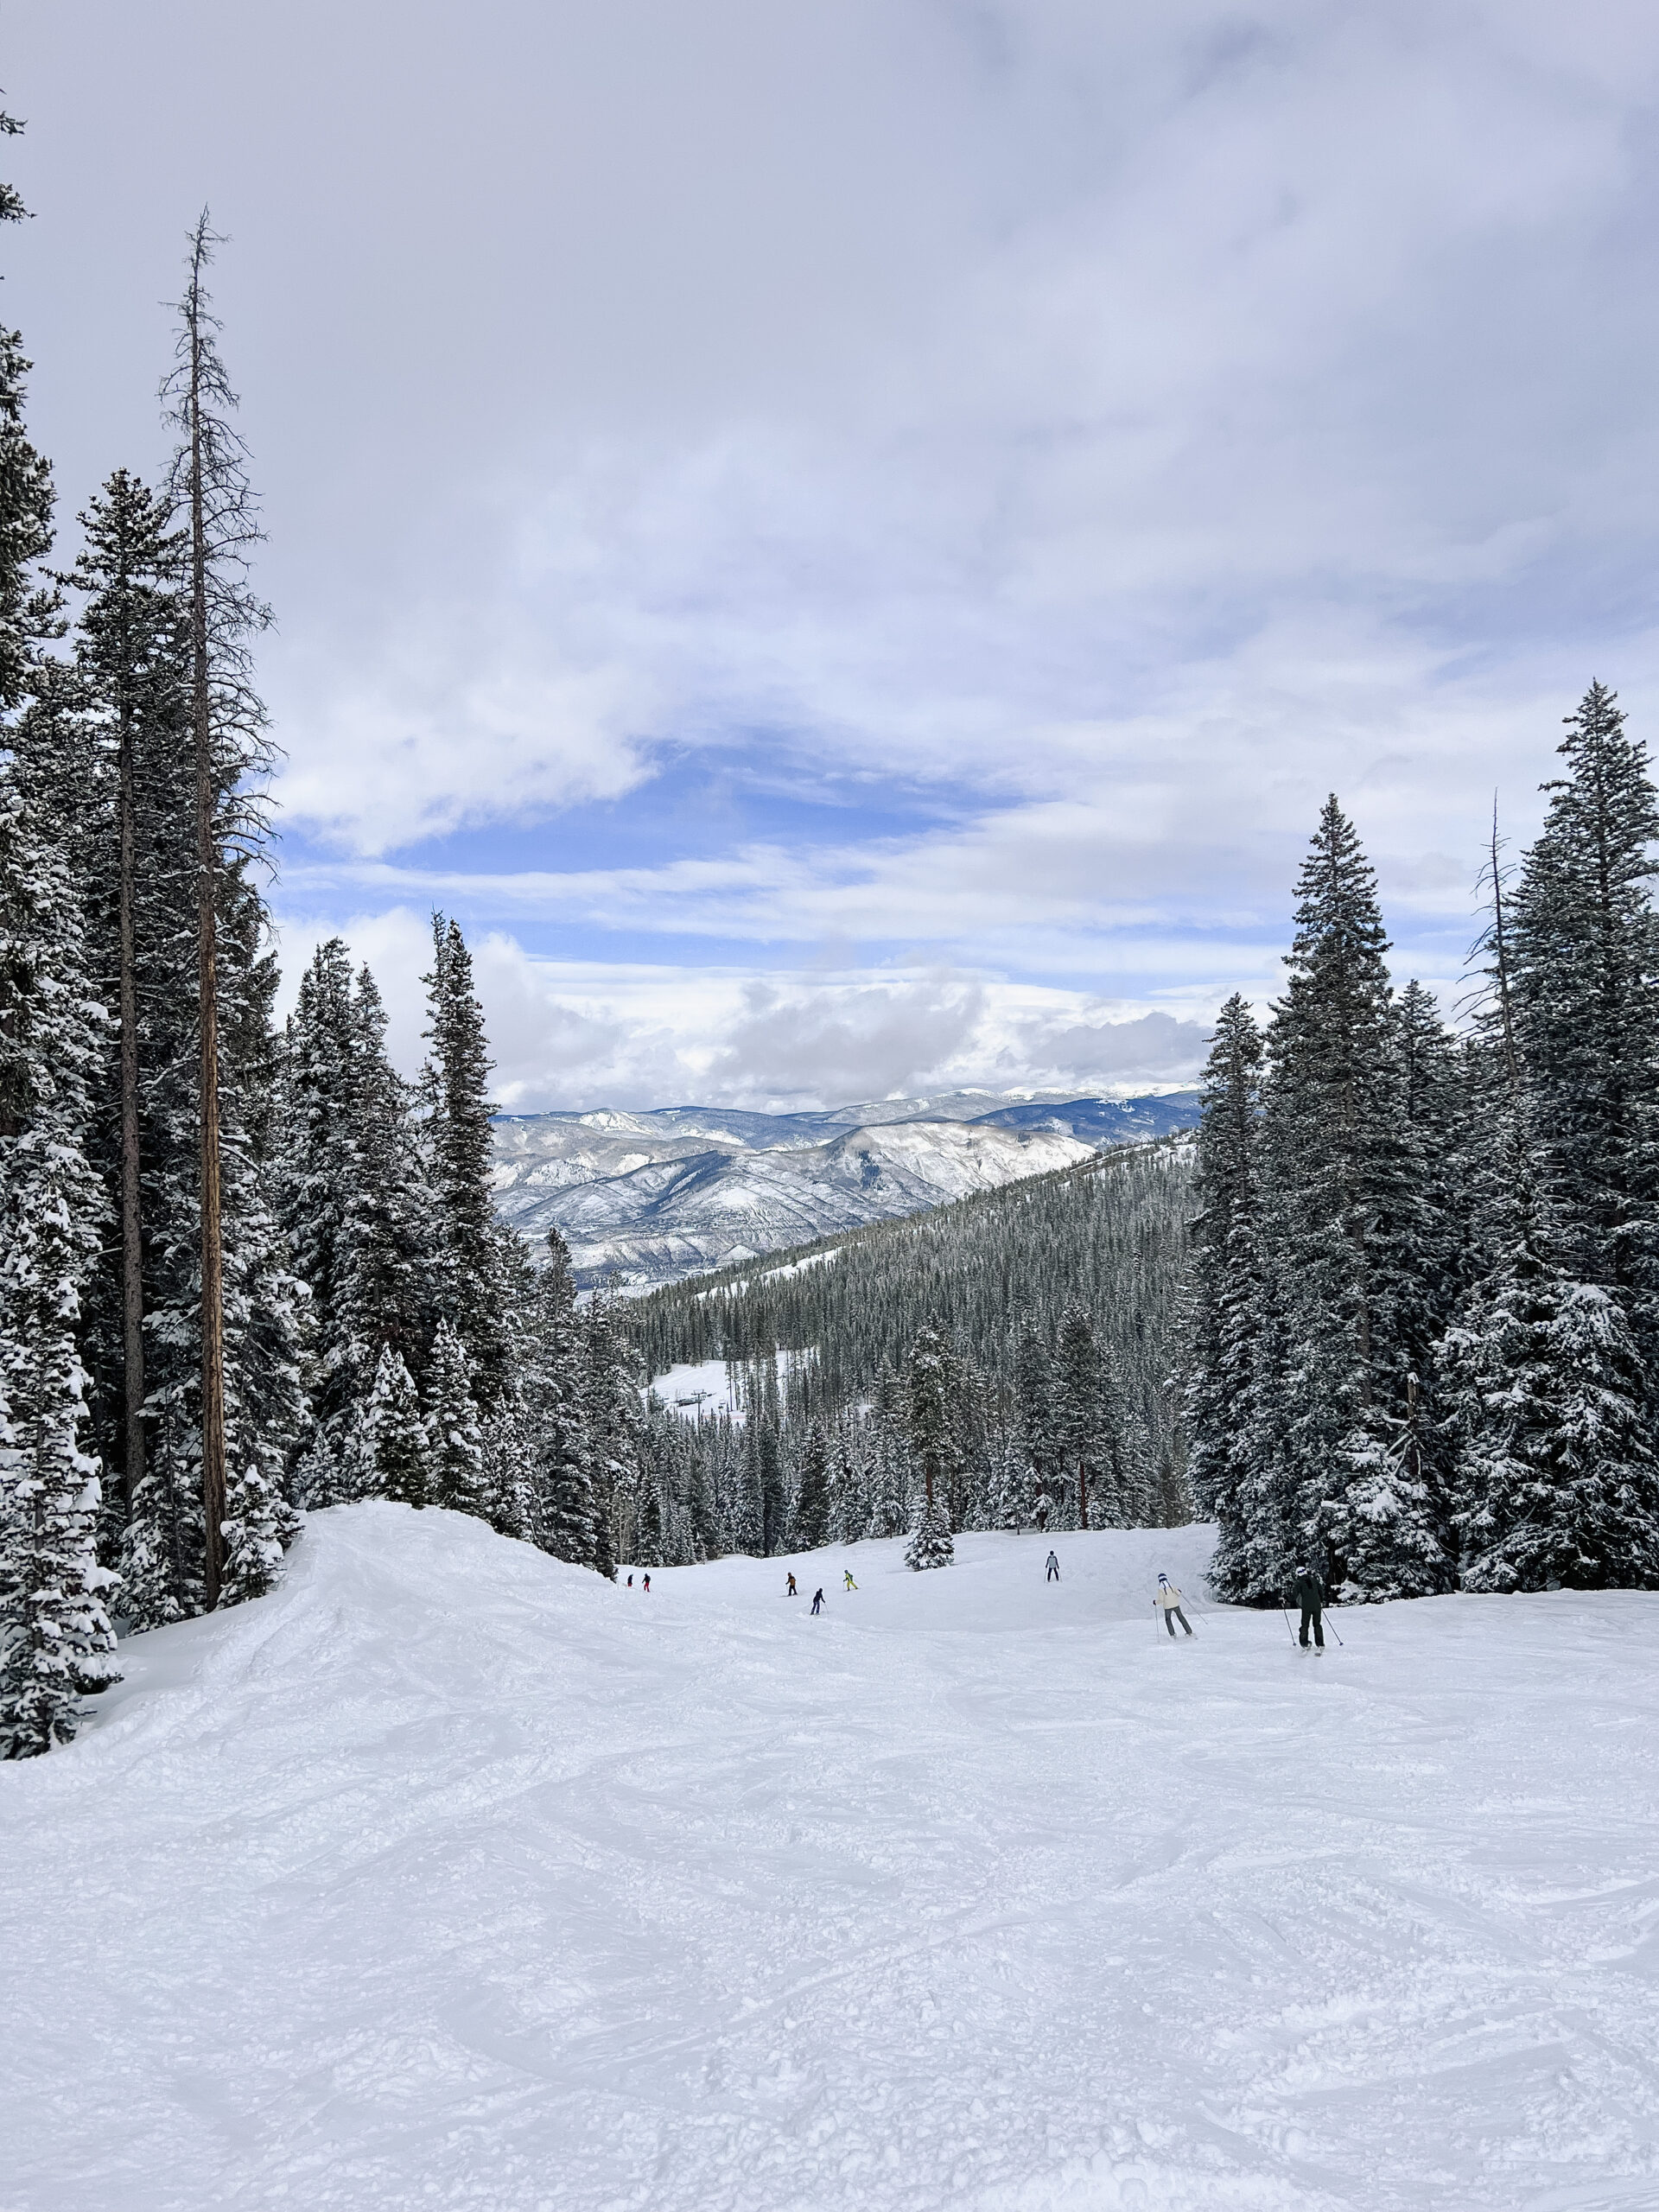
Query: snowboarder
[1053, 1574]
[792, 1590]
[818, 1601]
[1309, 1593]
[1170, 1598]
[846, 1577]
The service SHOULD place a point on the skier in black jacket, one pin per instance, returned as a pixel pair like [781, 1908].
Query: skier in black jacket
[1309, 1593]
[818, 1601]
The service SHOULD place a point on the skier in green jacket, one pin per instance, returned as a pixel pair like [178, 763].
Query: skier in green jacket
[1309, 1593]
[846, 1577]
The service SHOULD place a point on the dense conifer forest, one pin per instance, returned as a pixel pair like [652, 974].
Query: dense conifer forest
[1025, 1343]
[245, 1269]
[1424, 1331]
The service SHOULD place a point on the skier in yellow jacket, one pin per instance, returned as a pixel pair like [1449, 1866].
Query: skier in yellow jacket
[1170, 1598]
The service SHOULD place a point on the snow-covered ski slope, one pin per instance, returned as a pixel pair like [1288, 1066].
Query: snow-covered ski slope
[449, 1877]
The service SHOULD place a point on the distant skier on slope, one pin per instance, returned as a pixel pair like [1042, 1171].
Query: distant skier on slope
[793, 1591]
[818, 1601]
[846, 1577]
[647, 1585]
[1309, 1593]
[1054, 1574]
[1170, 1598]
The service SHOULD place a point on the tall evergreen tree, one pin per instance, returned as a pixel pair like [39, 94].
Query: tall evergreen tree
[933, 1448]
[1033, 1398]
[812, 1492]
[1084, 1425]
[615, 1421]
[391, 1456]
[1346, 1218]
[131, 657]
[1585, 952]
[1232, 1476]
[455, 1446]
[56, 1640]
[1556, 1479]
[558, 1410]
[460, 1156]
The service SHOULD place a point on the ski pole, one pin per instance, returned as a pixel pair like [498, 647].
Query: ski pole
[1289, 1631]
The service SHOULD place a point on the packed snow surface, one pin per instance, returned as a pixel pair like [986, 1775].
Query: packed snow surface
[451, 1877]
[700, 1389]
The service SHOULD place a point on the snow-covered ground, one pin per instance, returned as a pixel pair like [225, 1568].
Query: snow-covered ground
[699, 1389]
[449, 1877]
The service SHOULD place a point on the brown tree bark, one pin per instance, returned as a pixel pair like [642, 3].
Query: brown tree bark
[132, 1269]
[213, 1257]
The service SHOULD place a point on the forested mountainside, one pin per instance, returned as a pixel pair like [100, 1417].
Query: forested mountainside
[1022, 1346]
[653, 1196]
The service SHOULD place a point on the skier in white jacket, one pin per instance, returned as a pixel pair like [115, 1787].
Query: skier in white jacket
[1170, 1598]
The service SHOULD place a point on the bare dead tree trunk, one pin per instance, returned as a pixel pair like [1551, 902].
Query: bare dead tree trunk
[1501, 955]
[132, 1268]
[1083, 1492]
[212, 1254]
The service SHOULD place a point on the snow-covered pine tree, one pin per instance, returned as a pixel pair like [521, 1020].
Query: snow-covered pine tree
[812, 1516]
[557, 1403]
[1085, 1444]
[223, 1370]
[616, 1424]
[1585, 968]
[890, 1508]
[469, 1265]
[1343, 1214]
[455, 1446]
[131, 661]
[933, 1446]
[1556, 1475]
[507, 1500]
[1033, 1399]
[56, 1641]
[318, 1479]
[1227, 1297]
[1013, 1504]
[849, 1489]
[767, 1447]
[390, 1457]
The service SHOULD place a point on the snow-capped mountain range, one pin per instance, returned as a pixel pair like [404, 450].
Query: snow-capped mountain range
[674, 1190]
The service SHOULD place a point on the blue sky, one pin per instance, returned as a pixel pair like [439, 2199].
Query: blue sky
[848, 539]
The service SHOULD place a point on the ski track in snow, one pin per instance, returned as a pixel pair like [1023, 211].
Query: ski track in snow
[450, 1877]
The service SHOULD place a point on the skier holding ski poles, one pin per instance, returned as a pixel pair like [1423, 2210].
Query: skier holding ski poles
[1308, 1591]
[1170, 1598]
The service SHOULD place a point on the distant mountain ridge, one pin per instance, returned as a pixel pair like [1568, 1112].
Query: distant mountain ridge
[671, 1190]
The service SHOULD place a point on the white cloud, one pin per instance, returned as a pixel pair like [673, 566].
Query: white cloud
[581, 1034]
